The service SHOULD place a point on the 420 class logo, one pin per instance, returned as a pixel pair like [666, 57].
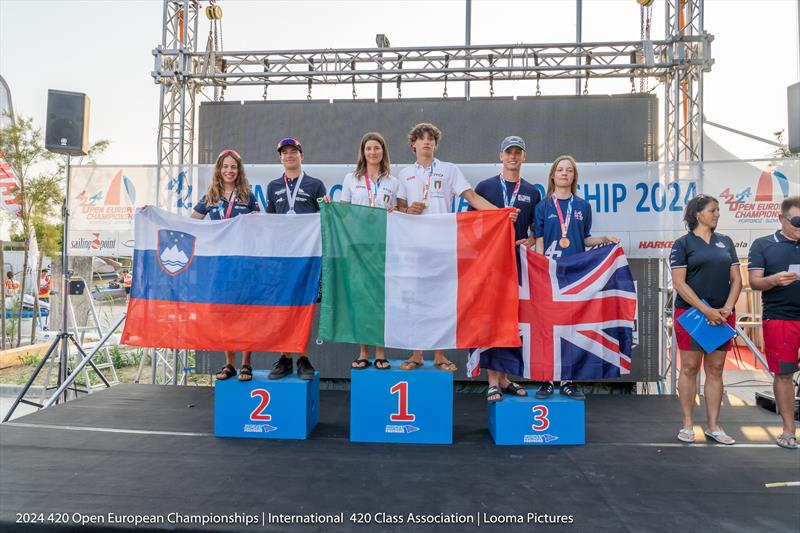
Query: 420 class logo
[764, 204]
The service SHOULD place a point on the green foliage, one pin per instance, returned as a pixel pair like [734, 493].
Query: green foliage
[121, 358]
[29, 359]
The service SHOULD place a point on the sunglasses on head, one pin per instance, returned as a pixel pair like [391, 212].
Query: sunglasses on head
[229, 151]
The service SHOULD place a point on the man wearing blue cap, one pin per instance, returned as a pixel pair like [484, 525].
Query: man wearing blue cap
[509, 189]
[293, 193]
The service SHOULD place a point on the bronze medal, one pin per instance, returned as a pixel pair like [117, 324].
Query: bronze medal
[563, 242]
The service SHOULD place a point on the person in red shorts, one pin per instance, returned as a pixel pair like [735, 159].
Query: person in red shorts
[774, 267]
[706, 276]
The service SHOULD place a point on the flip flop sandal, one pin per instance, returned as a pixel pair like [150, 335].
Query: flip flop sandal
[494, 391]
[410, 364]
[227, 371]
[720, 436]
[789, 441]
[446, 366]
[513, 389]
[361, 364]
[245, 373]
[686, 435]
[382, 364]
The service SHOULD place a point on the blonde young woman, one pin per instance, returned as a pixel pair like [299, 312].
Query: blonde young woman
[371, 184]
[562, 227]
[228, 196]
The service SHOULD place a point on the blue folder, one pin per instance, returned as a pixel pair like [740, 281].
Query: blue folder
[708, 336]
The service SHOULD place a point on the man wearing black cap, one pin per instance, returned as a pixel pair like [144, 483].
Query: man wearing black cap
[509, 189]
[293, 193]
[774, 268]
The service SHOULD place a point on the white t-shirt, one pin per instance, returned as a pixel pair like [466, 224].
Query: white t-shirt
[446, 182]
[355, 190]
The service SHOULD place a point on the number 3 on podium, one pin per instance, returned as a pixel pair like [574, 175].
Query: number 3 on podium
[402, 414]
[540, 417]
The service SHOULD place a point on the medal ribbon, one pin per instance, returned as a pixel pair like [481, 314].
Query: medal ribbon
[373, 197]
[564, 223]
[509, 203]
[291, 197]
[426, 189]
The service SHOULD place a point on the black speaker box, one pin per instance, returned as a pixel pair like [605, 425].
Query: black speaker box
[76, 286]
[67, 127]
[793, 107]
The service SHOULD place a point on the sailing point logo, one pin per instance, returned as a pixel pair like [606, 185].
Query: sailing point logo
[175, 251]
[112, 205]
[96, 243]
[760, 206]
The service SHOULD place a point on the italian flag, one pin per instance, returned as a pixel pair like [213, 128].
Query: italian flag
[419, 282]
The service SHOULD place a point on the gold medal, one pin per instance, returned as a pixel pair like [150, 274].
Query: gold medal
[426, 202]
[563, 242]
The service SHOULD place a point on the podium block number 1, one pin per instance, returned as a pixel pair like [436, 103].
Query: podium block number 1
[258, 413]
[402, 414]
[541, 421]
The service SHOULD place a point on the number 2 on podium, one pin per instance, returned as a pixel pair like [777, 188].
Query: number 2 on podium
[258, 413]
[402, 414]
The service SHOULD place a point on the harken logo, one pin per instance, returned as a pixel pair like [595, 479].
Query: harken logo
[175, 251]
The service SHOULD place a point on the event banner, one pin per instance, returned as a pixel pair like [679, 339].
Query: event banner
[642, 203]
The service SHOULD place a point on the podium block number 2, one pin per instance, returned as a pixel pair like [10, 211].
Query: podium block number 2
[541, 421]
[258, 413]
[402, 414]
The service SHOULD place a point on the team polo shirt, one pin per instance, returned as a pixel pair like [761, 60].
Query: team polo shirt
[217, 212]
[446, 180]
[772, 254]
[527, 199]
[708, 267]
[548, 226]
[311, 190]
[354, 190]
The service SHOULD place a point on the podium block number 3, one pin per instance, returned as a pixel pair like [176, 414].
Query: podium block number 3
[541, 421]
[402, 414]
[258, 413]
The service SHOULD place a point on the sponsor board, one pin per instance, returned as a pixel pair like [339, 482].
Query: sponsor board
[641, 203]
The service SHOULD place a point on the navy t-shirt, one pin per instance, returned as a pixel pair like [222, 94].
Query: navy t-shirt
[217, 212]
[548, 226]
[527, 198]
[311, 190]
[708, 267]
[772, 254]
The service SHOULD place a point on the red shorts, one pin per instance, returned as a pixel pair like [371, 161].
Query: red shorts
[782, 343]
[686, 342]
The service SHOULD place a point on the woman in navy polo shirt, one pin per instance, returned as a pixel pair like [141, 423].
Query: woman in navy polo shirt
[228, 196]
[562, 227]
[705, 274]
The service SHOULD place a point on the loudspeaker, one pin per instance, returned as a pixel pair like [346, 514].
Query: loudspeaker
[76, 287]
[793, 106]
[67, 127]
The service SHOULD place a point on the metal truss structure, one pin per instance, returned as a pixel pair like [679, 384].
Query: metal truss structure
[183, 71]
[683, 84]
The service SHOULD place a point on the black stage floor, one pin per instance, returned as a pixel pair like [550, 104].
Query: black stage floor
[137, 450]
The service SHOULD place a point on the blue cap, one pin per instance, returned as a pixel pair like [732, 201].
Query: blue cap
[289, 141]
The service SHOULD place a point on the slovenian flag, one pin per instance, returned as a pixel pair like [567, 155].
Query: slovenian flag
[248, 283]
[418, 281]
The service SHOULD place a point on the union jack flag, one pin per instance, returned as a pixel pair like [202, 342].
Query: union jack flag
[576, 316]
